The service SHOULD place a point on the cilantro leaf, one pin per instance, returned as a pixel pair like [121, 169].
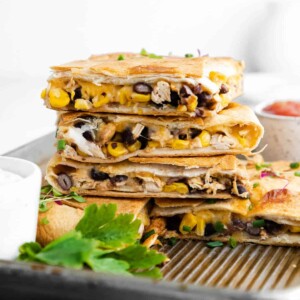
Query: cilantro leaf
[70, 250]
[154, 273]
[119, 232]
[28, 251]
[76, 197]
[109, 265]
[139, 257]
[94, 217]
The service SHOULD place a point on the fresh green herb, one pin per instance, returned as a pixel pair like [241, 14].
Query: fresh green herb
[44, 221]
[297, 173]
[250, 207]
[102, 241]
[121, 57]
[219, 226]
[294, 165]
[232, 242]
[255, 185]
[258, 167]
[210, 201]
[61, 145]
[150, 55]
[186, 228]
[258, 223]
[214, 244]
[50, 194]
[188, 55]
[172, 241]
[148, 234]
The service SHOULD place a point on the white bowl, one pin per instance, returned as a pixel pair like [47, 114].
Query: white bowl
[282, 135]
[19, 204]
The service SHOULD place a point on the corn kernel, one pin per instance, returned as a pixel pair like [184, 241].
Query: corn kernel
[116, 149]
[180, 144]
[178, 187]
[44, 93]
[100, 100]
[188, 220]
[294, 229]
[72, 94]
[205, 138]
[124, 94]
[58, 98]
[153, 144]
[192, 103]
[200, 228]
[82, 104]
[217, 77]
[140, 97]
[181, 108]
[120, 127]
[134, 147]
[224, 100]
[89, 89]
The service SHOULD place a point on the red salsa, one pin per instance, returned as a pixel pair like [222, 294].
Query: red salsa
[284, 108]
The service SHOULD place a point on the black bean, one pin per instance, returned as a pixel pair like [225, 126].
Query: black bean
[211, 105]
[64, 181]
[197, 89]
[98, 175]
[252, 230]
[127, 137]
[158, 105]
[241, 189]
[182, 136]
[172, 223]
[143, 138]
[88, 136]
[203, 98]
[224, 89]
[78, 94]
[174, 99]
[118, 179]
[194, 132]
[142, 88]
[272, 227]
[199, 112]
[209, 229]
[185, 91]
[79, 124]
[239, 224]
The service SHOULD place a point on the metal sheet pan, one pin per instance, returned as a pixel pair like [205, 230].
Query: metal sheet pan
[194, 271]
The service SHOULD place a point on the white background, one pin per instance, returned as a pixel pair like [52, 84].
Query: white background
[37, 34]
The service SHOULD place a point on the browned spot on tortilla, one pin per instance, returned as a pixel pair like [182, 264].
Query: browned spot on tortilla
[276, 196]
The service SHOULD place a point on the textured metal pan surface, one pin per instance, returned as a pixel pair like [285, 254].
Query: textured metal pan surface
[247, 272]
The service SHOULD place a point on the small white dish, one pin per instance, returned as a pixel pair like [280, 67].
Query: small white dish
[19, 204]
[282, 135]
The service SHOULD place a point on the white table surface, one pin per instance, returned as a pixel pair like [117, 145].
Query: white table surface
[24, 118]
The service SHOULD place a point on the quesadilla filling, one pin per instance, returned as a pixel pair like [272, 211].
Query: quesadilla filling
[144, 179]
[218, 223]
[113, 137]
[211, 93]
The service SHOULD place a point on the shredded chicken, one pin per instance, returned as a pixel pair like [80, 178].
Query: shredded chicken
[222, 142]
[160, 134]
[137, 130]
[196, 183]
[105, 132]
[151, 183]
[161, 93]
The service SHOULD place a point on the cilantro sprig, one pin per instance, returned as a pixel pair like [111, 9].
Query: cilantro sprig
[50, 194]
[101, 241]
[144, 52]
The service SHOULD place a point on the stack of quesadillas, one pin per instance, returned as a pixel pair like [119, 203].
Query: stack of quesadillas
[159, 137]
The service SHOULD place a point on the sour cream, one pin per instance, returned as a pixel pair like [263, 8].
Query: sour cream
[8, 177]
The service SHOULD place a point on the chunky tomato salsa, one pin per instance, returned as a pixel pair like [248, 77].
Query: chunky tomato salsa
[284, 108]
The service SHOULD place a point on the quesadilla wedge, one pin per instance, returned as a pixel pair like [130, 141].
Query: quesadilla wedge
[271, 217]
[166, 86]
[215, 176]
[107, 138]
[64, 218]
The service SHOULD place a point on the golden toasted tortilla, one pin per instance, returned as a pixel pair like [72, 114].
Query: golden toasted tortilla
[89, 136]
[168, 86]
[64, 218]
[271, 218]
[217, 177]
